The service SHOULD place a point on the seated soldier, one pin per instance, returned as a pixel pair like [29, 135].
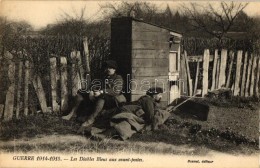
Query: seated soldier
[145, 113]
[106, 97]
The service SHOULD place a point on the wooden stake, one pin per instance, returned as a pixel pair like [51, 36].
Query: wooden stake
[188, 73]
[75, 74]
[9, 101]
[248, 76]
[86, 53]
[183, 83]
[37, 84]
[64, 84]
[238, 72]
[257, 78]
[213, 85]
[230, 68]
[217, 73]
[253, 73]
[18, 93]
[222, 70]
[243, 81]
[54, 76]
[205, 72]
[196, 79]
[26, 87]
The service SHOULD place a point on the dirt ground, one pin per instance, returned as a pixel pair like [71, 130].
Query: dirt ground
[231, 129]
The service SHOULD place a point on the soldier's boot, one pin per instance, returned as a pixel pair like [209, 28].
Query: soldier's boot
[98, 108]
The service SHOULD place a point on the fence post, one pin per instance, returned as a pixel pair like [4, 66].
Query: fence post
[18, 93]
[252, 84]
[238, 71]
[196, 78]
[222, 69]
[205, 74]
[64, 84]
[217, 73]
[74, 73]
[231, 53]
[53, 66]
[86, 53]
[257, 78]
[248, 76]
[243, 81]
[9, 101]
[188, 73]
[26, 87]
[37, 84]
[213, 85]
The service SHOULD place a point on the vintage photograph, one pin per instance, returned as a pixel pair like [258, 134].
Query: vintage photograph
[129, 83]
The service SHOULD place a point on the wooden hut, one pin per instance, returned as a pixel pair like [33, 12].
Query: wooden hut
[148, 55]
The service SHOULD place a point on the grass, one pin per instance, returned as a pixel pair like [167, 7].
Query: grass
[232, 130]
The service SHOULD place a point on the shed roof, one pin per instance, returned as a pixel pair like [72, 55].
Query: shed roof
[172, 32]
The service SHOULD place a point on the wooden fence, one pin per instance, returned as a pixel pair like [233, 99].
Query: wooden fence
[64, 78]
[237, 70]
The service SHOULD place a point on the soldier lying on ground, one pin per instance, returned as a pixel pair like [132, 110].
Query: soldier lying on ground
[143, 114]
[106, 97]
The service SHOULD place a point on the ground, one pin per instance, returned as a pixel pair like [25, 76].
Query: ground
[231, 128]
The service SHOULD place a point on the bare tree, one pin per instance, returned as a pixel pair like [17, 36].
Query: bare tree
[215, 20]
[140, 10]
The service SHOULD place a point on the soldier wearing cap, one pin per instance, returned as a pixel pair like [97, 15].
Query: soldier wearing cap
[106, 96]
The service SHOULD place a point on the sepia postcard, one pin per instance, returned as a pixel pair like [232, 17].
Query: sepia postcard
[129, 84]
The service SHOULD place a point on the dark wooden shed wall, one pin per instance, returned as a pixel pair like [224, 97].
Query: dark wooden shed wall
[142, 51]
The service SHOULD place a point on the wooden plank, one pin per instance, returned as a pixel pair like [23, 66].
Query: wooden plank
[196, 78]
[37, 84]
[86, 54]
[9, 100]
[243, 81]
[199, 58]
[205, 73]
[144, 27]
[172, 62]
[1, 110]
[179, 58]
[136, 63]
[64, 84]
[238, 72]
[142, 44]
[257, 78]
[18, 92]
[183, 77]
[54, 85]
[214, 71]
[151, 36]
[253, 74]
[26, 87]
[146, 72]
[75, 74]
[188, 73]
[217, 73]
[153, 54]
[222, 69]
[231, 54]
[250, 62]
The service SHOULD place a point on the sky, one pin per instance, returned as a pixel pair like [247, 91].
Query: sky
[41, 13]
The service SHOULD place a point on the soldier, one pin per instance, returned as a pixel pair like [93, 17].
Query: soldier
[104, 96]
[143, 114]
